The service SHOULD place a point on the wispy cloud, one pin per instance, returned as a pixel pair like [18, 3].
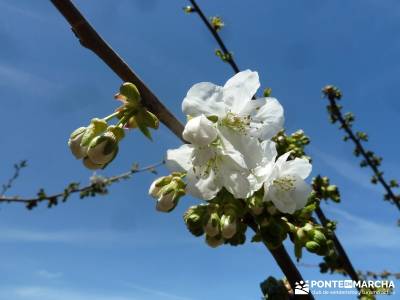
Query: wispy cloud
[349, 170]
[49, 293]
[13, 9]
[41, 292]
[155, 292]
[48, 275]
[139, 238]
[11, 76]
[360, 232]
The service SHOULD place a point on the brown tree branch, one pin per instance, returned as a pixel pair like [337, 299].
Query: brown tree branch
[89, 38]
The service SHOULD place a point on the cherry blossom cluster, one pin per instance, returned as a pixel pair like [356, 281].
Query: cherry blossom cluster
[229, 146]
[231, 162]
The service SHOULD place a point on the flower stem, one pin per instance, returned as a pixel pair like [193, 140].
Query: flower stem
[113, 115]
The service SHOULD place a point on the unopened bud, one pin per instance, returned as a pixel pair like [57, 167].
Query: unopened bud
[301, 235]
[102, 149]
[129, 92]
[318, 237]
[96, 127]
[150, 119]
[313, 246]
[166, 202]
[214, 241]
[228, 226]
[91, 165]
[212, 226]
[74, 143]
[200, 131]
[167, 190]
[194, 219]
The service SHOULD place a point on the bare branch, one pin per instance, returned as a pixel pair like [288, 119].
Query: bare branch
[97, 186]
[17, 169]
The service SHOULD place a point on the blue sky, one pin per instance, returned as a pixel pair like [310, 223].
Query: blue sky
[118, 247]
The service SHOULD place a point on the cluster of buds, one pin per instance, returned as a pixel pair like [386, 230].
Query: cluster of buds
[167, 191]
[132, 114]
[97, 144]
[220, 220]
[322, 189]
[314, 238]
[294, 143]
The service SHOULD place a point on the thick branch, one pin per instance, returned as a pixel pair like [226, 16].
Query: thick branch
[90, 39]
[283, 260]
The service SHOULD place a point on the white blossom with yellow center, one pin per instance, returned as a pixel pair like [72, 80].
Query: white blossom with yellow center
[232, 106]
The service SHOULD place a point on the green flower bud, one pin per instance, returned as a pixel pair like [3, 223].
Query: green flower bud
[131, 123]
[91, 165]
[194, 219]
[313, 246]
[167, 190]
[301, 235]
[129, 92]
[213, 224]
[74, 143]
[319, 237]
[256, 204]
[96, 127]
[166, 202]
[214, 241]
[150, 119]
[102, 148]
[228, 226]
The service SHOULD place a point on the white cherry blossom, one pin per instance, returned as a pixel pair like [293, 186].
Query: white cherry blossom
[284, 183]
[232, 104]
[200, 131]
[232, 161]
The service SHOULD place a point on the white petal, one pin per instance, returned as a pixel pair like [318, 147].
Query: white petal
[204, 98]
[281, 199]
[269, 150]
[279, 164]
[301, 193]
[202, 187]
[243, 147]
[178, 160]
[201, 156]
[200, 131]
[235, 182]
[240, 89]
[297, 167]
[251, 108]
[267, 120]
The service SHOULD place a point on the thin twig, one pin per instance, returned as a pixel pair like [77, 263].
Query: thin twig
[96, 182]
[214, 32]
[17, 169]
[339, 248]
[335, 110]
